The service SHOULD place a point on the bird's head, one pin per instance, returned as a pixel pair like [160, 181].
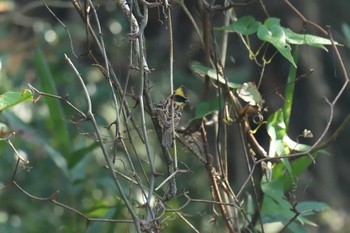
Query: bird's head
[180, 96]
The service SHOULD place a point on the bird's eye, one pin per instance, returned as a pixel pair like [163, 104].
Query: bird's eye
[181, 99]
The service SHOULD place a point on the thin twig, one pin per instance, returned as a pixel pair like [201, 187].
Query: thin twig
[192, 20]
[171, 80]
[212, 177]
[342, 67]
[19, 156]
[63, 25]
[90, 116]
[187, 222]
[52, 198]
[217, 8]
[171, 176]
[62, 98]
[302, 17]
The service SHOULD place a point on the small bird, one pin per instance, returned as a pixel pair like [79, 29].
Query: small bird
[165, 116]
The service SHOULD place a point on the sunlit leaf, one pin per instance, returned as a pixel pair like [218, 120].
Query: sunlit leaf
[295, 146]
[10, 99]
[281, 144]
[276, 129]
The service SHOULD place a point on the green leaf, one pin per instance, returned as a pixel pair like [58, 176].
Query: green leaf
[281, 38]
[297, 167]
[276, 129]
[311, 207]
[296, 146]
[281, 144]
[211, 73]
[276, 208]
[274, 211]
[10, 99]
[306, 39]
[57, 122]
[274, 205]
[269, 22]
[274, 217]
[274, 189]
[275, 35]
[245, 25]
[287, 172]
[205, 108]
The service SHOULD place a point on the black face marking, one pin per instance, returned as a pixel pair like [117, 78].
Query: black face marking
[180, 99]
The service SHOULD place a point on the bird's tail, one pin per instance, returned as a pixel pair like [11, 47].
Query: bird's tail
[167, 139]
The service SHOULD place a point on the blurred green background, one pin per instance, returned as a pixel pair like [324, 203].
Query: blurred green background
[32, 48]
